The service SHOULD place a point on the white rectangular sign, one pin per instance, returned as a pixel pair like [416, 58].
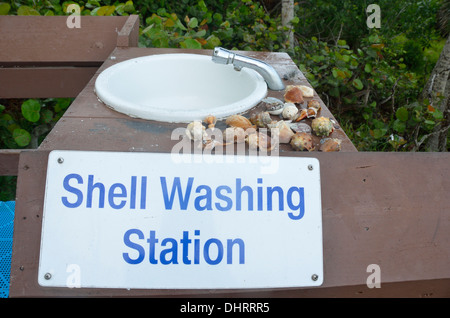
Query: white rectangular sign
[164, 221]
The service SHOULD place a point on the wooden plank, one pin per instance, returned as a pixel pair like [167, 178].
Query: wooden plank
[129, 35]
[9, 161]
[44, 82]
[50, 40]
[389, 209]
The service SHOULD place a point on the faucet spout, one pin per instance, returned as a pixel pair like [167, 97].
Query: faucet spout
[273, 80]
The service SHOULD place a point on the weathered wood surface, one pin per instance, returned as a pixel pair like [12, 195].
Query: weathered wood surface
[9, 162]
[389, 209]
[99, 127]
[41, 57]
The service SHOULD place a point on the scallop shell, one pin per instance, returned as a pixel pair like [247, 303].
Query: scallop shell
[293, 94]
[239, 121]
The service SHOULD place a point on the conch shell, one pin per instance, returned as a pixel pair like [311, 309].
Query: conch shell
[283, 130]
[330, 145]
[293, 94]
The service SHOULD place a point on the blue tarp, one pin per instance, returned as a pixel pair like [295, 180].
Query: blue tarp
[6, 239]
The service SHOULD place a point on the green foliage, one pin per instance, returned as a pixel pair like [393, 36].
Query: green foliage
[371, 79]
[25, 123]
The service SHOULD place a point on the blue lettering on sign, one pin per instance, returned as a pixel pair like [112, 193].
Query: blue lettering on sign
[167, 251]
[95, 193]
[244, 197]
[182, 195]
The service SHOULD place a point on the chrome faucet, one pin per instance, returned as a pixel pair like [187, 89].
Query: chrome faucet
[269, 74]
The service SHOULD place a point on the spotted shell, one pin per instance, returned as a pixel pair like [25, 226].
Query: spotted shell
[322, 126]
[302, 141]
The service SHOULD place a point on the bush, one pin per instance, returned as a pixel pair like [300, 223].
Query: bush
[370, 79]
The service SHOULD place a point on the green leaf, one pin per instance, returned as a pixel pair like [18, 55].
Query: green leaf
[21, 137]
[358, 84]
[4, 8]
[47, 116]
[437, 114]
[26, 10]
[190, 44]
[402, 114]
[379, 132]
[31, 110]
[106, 10]
[399, 126]
[212, 41]
[193, 23]
[295, 20]
[2, 108]
[368, 68]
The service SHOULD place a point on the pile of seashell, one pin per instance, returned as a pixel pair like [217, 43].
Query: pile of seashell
[288, 130]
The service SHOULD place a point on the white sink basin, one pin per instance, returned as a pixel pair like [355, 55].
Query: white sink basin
[178, 88]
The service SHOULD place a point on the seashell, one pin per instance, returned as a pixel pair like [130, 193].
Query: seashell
[293, 94]
[261, 120]
[322, 126]
[210, 121]
[274, 106]
[290, 111]
[330, 145]
[234, 134]
[283, 130]
[307, 91]
[259, 140]
[196, 131]
[300, 127]
[239, 121]
[302, 141]
[211, 144]
[315, 104]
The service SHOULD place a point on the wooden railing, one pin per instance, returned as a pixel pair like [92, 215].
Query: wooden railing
[41, 57]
